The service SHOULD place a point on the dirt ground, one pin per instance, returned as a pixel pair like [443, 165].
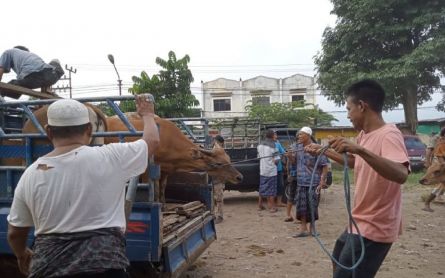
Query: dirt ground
[259, 244]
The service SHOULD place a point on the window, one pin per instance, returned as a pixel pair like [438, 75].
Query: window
[221, 105]
[261, 100]
[297, 98]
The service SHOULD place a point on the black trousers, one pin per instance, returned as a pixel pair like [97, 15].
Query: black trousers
[43, 78]
[375, 253]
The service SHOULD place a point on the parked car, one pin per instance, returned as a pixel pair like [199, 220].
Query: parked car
[416, 151]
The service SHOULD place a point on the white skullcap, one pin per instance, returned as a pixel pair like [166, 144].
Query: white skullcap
[67, 112]
[306, 130]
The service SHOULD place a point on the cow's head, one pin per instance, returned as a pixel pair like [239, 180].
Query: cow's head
[218, 164]
[434, 174]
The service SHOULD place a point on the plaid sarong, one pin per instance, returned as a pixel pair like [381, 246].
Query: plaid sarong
[78, 253]
[302, 204]
[268, 186]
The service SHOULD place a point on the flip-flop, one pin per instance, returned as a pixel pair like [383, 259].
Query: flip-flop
[302, 234]
[315, 234]
[289, 219]
[273, 210]
[261, 208]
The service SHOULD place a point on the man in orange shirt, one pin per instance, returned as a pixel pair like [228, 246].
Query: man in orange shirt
[381, 165]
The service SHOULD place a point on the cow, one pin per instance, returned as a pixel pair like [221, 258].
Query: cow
[435, 174]
[177, 153]
[97, 119]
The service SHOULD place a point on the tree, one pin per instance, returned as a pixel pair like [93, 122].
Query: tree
[170, 87]
[290, 113]
[400, 43]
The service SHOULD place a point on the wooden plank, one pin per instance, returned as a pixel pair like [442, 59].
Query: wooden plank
[189, 205]
[15, 91]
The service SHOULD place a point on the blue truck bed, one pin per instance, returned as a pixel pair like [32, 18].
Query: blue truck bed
[151, 252]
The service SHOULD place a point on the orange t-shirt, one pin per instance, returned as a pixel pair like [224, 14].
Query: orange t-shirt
[378, 201]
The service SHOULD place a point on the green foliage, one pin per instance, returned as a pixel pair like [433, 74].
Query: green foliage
[106, 109]
[170, 87]
[400, 43]
[290, 113]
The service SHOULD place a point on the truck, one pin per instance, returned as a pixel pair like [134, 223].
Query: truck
[160, 242]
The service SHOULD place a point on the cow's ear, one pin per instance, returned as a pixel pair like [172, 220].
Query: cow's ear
[196, 154]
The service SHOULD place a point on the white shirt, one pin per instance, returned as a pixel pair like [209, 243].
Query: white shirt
[77, 191]
[268, 167]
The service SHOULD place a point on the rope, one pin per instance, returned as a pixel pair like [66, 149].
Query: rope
[347, 189]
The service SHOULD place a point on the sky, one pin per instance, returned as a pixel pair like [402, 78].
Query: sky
[230, 39]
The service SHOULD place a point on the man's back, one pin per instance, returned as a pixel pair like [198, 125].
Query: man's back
[22, 62]
[80, 190]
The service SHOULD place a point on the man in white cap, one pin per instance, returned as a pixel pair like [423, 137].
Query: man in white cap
[308, 193]
[74, 197]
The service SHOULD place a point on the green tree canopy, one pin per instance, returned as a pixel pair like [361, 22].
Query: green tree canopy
[170, 87]
[400, 43]
[290, 113]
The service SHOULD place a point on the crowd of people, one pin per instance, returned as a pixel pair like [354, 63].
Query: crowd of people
[380, 162]
[299, 167]
[66, 232]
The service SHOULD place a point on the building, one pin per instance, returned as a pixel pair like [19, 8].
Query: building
[224, 98]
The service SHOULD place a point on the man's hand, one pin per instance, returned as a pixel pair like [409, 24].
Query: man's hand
[24, 261]
[342, 145]
[313, 148]
[144, 105]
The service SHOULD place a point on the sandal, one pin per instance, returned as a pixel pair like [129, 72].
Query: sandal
[302, 234]
[289, 219]
[273, 210]
[261, 208]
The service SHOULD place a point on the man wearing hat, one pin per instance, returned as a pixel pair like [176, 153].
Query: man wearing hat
[74, 197]
[32, 72]
[308, 193]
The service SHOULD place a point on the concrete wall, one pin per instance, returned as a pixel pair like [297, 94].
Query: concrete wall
[241, 93]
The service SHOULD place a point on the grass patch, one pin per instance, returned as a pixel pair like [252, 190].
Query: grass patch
[337, 176]
[411, 182]
[413, 179]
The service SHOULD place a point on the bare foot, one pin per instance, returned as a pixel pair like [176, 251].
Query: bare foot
[428, 209]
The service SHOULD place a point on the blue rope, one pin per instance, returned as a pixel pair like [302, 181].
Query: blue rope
[347, 190]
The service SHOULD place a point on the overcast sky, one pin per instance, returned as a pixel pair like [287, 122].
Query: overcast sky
[231, 39]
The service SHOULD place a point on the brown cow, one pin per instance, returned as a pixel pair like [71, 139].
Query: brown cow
[435, 174]
[97, 119]
[178, 153]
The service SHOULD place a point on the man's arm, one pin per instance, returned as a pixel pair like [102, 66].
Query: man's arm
[145, 109]
[315, 149]
[2, 71]
[17, 237]
[324, 174]
[390, 170]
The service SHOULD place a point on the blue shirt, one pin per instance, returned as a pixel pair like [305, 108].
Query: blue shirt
[305, 166]
[22, 62]
[281, 151]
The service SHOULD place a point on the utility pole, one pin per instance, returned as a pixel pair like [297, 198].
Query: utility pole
[70, 70]
[65, 87]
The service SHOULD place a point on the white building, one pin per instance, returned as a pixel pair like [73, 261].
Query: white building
[228, 98]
